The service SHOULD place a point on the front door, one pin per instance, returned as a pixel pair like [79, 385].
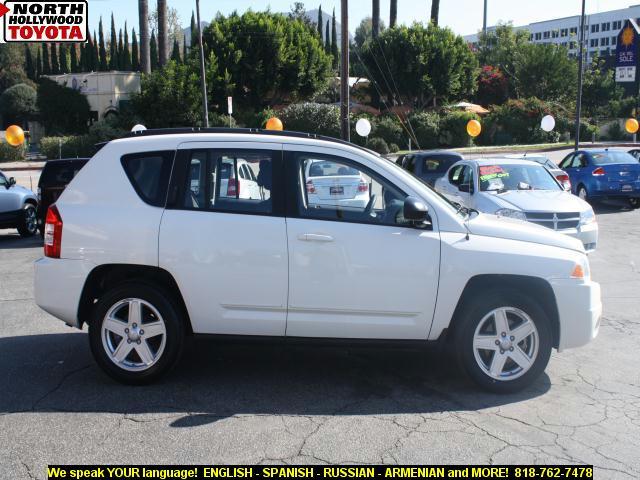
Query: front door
[224, 239]
[357, 268]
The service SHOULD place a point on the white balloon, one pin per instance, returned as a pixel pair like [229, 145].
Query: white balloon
[363, 127]
[548, 123]
[138, 128]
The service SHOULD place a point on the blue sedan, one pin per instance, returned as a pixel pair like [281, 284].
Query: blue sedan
[604, 174]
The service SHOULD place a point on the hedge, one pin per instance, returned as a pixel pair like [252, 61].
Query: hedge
[12, 154]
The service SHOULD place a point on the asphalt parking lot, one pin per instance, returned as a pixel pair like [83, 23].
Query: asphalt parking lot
[271, 404]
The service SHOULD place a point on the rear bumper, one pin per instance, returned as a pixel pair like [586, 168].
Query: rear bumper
[579, 309]
[58, 286]
[615, 190]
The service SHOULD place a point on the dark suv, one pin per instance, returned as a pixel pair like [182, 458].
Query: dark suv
[55, 177]
[429, 165]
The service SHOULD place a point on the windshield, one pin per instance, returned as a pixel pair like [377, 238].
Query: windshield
[608, 158]
[509, 177]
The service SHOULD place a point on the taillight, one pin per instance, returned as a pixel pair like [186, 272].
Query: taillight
[598, 172]
[565, 181]
[53, 233]
[311, 188]
[233, 188]
[363, 187]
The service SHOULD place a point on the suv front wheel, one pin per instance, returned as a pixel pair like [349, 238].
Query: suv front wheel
[503, 341]
[136, 334]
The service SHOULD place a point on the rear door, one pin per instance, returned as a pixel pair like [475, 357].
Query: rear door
[227, 252]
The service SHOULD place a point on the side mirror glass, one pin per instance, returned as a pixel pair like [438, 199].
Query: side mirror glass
[415, 210]
[12, 182]
[464, 187]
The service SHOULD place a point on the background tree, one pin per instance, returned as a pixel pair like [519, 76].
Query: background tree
[104, 64]
[85, 54]
[335, 53]
[63, 58]
[175, 52]
[113, 47]
[375, 18]
[135, 55]
[29, 66]
[120, 53]
[153, 51]
[143, 13]
[18, 104]
[493, 86]
[393, 13]
[320, 22]
[193, 28]
[39, 63]
[600, 89]
[95, 54]
[62, 110]
[327, 39]
[46, 60]
[435, 11]
[73, 55]
[55, 64]
[163, 33]
[126, 53]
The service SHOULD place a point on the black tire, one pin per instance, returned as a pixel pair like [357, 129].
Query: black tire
[585, 196]
[468, 321]
[634, 202]
[28, 226]
[173, 322]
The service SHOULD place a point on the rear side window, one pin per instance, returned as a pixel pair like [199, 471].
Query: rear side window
[149, 174]
[437, 164]
[60, 173]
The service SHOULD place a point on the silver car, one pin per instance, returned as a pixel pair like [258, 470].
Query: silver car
[17, 207]
[520, 189]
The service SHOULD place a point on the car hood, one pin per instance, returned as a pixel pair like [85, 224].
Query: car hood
[502, 227]
[538, 201]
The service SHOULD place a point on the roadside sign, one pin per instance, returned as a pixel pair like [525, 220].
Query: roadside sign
[627, 57]
[230, 105]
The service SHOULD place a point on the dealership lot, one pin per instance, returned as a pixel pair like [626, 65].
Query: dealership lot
[270, 404]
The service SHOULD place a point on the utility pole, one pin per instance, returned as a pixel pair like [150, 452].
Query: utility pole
[203, 80]
[344, 73]
[484, 22]
[580, 75]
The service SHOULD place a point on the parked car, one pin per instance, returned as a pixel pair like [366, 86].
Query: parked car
[334, 184]
[604, 174]
[17, 207]
[429, 165]
[129, 254]
[54, 178]
[557, 172]
[520, 189]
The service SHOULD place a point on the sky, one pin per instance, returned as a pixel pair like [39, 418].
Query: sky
[520, 12]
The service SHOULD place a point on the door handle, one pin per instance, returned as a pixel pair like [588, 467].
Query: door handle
[314, 237]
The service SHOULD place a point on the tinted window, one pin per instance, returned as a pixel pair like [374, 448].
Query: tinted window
[60, 173]
[3, 180]
[578, 161]
[437, 164]
[515, 177]
[351, 193]
[149, 174]
[232, 181]
[567, 161]
[608, 158]
[454, 175]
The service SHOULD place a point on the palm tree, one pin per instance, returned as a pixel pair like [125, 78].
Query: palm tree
[375, 18]
[393, 13]
[435, 11]
[163, 27]
[145, 57]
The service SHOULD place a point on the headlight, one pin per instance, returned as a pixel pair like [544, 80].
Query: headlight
[587, 217]
[507, 212]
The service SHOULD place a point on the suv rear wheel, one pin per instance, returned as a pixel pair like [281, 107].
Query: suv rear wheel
[136, 334]
[503, 341]
[29, 223]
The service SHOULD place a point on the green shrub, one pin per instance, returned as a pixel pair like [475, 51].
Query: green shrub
[18, 103]
[389, 129]
[453, 129]
[616, 132]
[312, 118]
[221, 120]
[12, 154]
[377, 144]
[62, 110]
[67, 147]
[426, 127]
[587, 131]
[393, 148]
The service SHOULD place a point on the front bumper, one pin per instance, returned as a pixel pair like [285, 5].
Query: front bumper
[58, 287]
[587, 234]
[11, 219]
[579, 309]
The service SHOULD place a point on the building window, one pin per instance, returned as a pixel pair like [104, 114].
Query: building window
[573, 45]
[574, 31]
[538, 36]
[531, 37]
[617, 25]
[604, 42]
[595, 28]
[555, 34]
[606, 26]
[614, 40]
[594, 42]
[564, 32]
[547, 35]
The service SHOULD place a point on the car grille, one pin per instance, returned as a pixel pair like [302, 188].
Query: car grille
[555, 221]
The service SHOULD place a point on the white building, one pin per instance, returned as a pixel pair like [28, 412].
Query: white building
[601, 31]
[107, 92]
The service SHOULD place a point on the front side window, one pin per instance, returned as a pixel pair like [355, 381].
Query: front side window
[3, 180]
[332, 188]
[234, 181]
[149, 174]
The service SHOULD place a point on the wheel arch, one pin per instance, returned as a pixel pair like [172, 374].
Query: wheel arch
[539, 289]
[31, 201]
[105, 277]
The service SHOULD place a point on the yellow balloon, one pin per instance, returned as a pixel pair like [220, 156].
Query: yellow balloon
[474, 128]
[632, 125]
[15, 136]
[274, 123]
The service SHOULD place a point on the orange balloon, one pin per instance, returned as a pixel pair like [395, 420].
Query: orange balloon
[274, 123]
[15, 136]
[632, 125]
[474, 128]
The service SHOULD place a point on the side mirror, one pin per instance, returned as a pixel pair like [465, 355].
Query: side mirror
[11, 182]
[464, 187]
[415, 210]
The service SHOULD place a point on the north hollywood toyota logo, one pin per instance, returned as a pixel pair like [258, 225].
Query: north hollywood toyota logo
[50, 21]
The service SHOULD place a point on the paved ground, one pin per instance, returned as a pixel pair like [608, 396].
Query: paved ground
[250, 404]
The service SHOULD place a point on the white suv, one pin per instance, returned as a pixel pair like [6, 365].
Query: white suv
[144, 252]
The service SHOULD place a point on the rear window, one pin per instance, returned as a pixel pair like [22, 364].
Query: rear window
[608, 158]
[149, 174]
[437, 164]
[60, 173]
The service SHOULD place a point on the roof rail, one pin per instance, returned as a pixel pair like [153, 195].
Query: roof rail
[239, 131]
